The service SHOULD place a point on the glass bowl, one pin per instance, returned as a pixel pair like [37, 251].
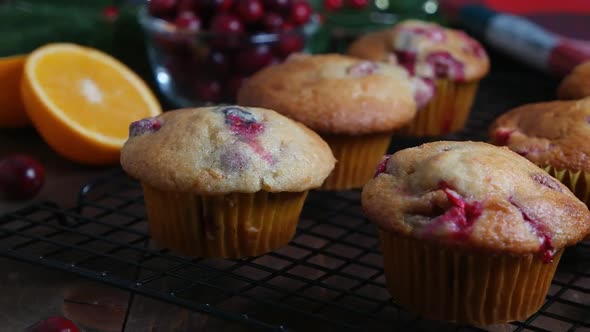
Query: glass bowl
[200, 68]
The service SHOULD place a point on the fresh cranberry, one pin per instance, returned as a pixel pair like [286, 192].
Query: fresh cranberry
[161, 8]
[502, 136]
[110, 13]
[252, 59]
[433, 33]
[333, 5]
[188, 21]
[446, 66]
[214, 6]
[233, 160]
[287, 26]
[53, 324]
[382, 167]
[186, 5]
[249, 11]
[242, 122]
[547, 252]
[233, 85]
[406, 59]
[21, 177]
[226, 23]
[358, 4]
[547, 181]
[272, 22]
[300, 12]
[288, 44]
[218, 63]
[463, 213]
[362, 69]
[459, 218]
[208, 90]
[143, 126]
[280, 6]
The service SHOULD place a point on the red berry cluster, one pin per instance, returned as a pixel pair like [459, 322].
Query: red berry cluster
[215, 66]
[333, 5]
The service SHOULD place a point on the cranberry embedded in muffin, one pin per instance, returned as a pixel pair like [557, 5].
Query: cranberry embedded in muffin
[554, 136]
[450, 61]
[354, 104]
[468, 215]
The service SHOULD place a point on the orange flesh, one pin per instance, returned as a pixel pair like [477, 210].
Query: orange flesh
[94, 95]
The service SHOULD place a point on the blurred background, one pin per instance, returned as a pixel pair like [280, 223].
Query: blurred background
[154, 43]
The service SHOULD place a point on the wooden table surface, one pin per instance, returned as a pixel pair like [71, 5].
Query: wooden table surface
[30, 293]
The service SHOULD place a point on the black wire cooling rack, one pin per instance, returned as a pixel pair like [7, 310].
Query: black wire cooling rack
[330, 275]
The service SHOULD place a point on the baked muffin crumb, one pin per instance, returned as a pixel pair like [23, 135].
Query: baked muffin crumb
[216, 150]
[474, 196]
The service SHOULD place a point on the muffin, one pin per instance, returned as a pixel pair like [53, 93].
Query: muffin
[554, 136]
[470, 232]
[224, 181]
[449, 60]
[576, 85]
[354, 105]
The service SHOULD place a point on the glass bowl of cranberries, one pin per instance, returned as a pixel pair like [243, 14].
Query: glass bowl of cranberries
[203, 50]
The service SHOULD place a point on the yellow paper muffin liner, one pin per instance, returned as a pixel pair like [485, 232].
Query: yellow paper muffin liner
[447, 112]
[446, 284]
[357, 158]
[577, 181]
[225, 226]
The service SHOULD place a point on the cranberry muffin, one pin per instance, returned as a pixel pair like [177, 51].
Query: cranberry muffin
[348, 101]
[224, 181]
[470, 232]
[449, 60]
[554, 136]
[576, 85]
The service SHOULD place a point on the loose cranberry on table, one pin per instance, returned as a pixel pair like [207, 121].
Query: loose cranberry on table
[21, 177]
[53, 324]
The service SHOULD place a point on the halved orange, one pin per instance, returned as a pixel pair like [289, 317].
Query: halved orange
[82, 101]
[12, 110]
